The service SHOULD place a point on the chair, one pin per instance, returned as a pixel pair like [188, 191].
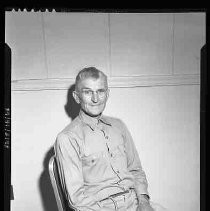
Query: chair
[57, 188]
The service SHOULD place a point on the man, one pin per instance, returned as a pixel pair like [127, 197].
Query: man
[98, 163]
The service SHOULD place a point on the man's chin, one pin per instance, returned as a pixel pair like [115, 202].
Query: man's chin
[93, 114]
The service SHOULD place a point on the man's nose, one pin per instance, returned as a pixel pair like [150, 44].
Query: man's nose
[94, 97]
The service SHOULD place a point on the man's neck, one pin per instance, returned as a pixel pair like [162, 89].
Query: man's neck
[93, 116]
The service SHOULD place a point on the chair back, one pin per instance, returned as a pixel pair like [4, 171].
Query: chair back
[57, 188]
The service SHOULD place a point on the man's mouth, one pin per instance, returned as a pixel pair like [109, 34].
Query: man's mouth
[95, 105]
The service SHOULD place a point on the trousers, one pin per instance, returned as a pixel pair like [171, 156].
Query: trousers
[124, 202]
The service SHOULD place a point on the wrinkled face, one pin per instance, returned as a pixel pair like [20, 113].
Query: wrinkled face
[92, 95]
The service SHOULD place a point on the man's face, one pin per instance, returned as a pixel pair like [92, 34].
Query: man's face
[92, 95]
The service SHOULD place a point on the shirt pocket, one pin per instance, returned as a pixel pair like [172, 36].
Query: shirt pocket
[90, 160]
[119, 156]
[118, 150]
[93, 166]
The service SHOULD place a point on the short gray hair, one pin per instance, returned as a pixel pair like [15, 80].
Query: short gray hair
[88, 72]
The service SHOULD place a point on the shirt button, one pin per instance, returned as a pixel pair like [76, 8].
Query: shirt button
[118, 171]
[106, 137]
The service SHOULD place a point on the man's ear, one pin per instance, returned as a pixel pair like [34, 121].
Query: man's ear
[107, 93]
[76, 97]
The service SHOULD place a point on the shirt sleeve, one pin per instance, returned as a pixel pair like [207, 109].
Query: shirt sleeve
[67, 153]
[134, 163]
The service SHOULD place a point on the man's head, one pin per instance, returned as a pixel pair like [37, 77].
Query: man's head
[91, 91]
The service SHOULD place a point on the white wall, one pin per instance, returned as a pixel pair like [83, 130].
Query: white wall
[164, 120]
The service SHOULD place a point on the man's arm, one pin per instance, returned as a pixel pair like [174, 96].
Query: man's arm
[134, 164]
[70, 170]
[135, 167]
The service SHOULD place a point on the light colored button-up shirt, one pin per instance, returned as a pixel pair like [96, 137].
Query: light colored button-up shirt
[97, 158]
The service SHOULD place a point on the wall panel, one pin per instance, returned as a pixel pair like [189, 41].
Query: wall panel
[24, 35]
[75, 40]
[141, 44]
[189, 38]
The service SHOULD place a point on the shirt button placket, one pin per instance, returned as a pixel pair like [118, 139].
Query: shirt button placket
[111, 155]
[107, 137]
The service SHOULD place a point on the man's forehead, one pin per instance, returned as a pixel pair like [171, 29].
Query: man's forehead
[90, 81]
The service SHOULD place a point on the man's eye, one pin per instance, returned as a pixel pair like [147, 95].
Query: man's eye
[87, 92]
[101, 91]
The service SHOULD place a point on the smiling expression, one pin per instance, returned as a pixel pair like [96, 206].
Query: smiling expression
[92, 95]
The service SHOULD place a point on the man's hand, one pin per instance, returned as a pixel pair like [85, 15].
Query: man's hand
[144, 204]
[143, 198]
[145, 207]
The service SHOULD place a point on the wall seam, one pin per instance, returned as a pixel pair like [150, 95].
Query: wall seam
[45, 50]
[173, 24]
[110, 53]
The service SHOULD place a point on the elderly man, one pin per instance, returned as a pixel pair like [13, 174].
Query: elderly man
[98, 163]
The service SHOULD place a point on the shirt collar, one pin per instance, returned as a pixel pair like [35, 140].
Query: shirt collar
[91, 121]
